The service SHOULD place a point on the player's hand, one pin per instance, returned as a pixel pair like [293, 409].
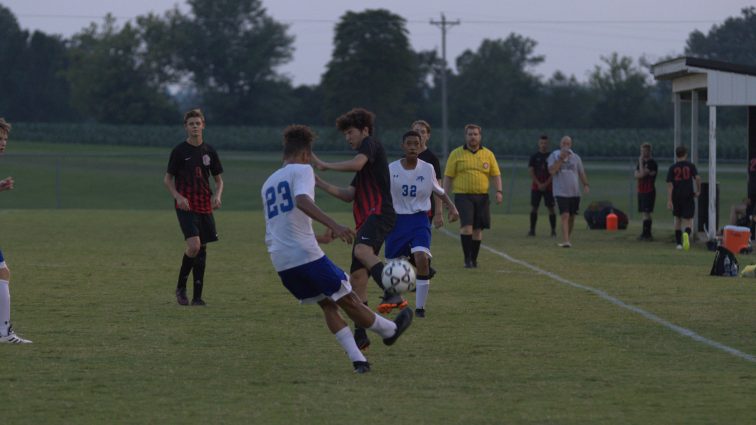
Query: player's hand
[6, 183]
[182, 203]
[438, 220]
[697, 194]
[669, 204]
[326, 237]
[586, 189]
[453, 215]
[317, 163]
[499, 197]
[344, 233]
[215, 201]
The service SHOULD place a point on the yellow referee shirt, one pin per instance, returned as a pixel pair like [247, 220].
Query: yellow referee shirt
[471, 171]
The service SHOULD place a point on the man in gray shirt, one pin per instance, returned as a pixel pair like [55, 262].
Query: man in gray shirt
[567, 169]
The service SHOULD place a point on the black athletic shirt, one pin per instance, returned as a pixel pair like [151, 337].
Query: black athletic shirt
[647, 184]
[681, 174]
[372, 194]
[539, 162]
[432, 159]
[192, 166]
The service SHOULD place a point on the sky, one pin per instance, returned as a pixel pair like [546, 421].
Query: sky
[573, 35]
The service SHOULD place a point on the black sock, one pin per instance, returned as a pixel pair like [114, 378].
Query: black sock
[678, 237]
[198, 272]
[466, 245]
[376, 271]
[552, 221]
[647, 227]
[688, 231]
[186, 266]
[475, 250]
[533, 220]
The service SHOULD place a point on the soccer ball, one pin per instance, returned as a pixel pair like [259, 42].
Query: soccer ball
[398, 276]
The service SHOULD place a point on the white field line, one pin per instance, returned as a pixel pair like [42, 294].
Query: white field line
[619, 303]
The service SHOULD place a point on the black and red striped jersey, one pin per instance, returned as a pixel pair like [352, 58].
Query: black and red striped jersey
[372, 187]
[191, 166]
[539, 163]
[647, 183]
[432, 159]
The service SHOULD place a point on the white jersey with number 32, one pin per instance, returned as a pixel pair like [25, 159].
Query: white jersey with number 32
[411, 190]
[288, 231]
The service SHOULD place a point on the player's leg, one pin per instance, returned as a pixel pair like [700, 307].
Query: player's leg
[359, 279]
[343, 334]
[466, 210]
[422, 260]
[548, 200]
[208, 234]
[535, 202]
[564, 217]
[482, 220]
[7, 335]
[190, 229]
[360, 314]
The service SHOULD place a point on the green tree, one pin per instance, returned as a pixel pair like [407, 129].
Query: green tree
[12, 46]
[372, 66]
[230, 49]
[732, 41]
[565, 103]
[111, 80]
[623, 95]
[494, 86]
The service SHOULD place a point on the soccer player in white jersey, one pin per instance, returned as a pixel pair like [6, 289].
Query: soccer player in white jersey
[289, 206]
[413, 182]
[7, 335]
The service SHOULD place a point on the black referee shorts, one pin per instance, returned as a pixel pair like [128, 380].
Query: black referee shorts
[194, 224]
[372, 233]
[473, 210]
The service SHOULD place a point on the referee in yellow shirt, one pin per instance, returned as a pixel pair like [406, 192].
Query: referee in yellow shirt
[469, 170]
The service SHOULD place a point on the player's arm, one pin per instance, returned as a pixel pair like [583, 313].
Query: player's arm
[215, 200]
[584, 180]
[498, 186]
[448, 183]
[438, 211]
[533, 178]
[307, 206]
[453, 213]
[346, 194]
[6, 183]
[181, 202]
[698, 186]
[669, 195]
[354, 164]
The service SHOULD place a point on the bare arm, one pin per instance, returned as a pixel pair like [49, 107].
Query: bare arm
[181, 202]
[669, 195]
[584, 180]
[6, 184]
[354, 164]
[499, 191]
[215, 200]
[453, 213]
[346, 194]
[438, 211]
[698, 186]
[307, 206]
[533, 178]
[448, 184]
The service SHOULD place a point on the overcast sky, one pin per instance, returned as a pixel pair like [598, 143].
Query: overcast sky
[571, 34]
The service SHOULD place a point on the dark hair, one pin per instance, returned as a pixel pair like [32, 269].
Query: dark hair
[411, 133]
[544, 137]
[194, 113]
[297, 138]
[358, 118]
[680, 151]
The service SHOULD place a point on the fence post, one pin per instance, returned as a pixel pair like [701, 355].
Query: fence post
[57, 183]
[511, 187]
[631, 211]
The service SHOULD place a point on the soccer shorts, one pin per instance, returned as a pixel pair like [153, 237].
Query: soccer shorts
[372, 233]
[315, 281]
[646, 202]
[194, 224]
[411, 234]
[568, 204]
[536, 195]
[683, 206]
[473, 210]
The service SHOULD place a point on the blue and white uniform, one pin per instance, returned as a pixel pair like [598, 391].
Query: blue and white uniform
[411, 192]
[303, 267]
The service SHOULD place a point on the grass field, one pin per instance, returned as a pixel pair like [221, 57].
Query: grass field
[93, 287]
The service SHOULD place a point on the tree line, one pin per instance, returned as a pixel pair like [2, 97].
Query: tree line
[223, 55]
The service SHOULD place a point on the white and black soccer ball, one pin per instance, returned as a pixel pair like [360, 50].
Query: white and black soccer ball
[398, 276]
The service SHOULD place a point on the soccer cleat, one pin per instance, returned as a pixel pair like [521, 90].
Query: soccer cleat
[431, 273]
[420, 312]
[12, 338]
[198, 301]
[474, 264]
[361, 367]
[390, 302]
[468, 264]
[679, 247]
[686, 241]
[361, 339]
[181, 296]
[531, 232]
[553, 233]
[403, 321]
[564, 245]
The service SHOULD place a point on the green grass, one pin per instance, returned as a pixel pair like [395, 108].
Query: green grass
[93, 286]
[501, 344]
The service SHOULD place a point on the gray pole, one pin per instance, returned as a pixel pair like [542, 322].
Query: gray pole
[443, 24]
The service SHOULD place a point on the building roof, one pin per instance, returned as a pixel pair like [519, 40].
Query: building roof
[720, 83]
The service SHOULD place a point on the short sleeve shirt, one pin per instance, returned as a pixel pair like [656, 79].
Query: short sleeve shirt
[191, 166]
[411, 190]
[372, 187]
[566, 182]
[470, 170]
[682, 175]
[646, 184]
[539, 163]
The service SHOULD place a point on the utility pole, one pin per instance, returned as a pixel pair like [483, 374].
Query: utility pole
[444, 24]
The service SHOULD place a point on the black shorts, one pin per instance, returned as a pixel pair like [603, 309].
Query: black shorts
[473, 210]
[683, 207]
[372, 232]
[646, 202]
[569, 204]
[194, 224]
[536, 195]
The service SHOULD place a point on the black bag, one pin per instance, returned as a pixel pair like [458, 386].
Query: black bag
[725, 263]
[595, 215]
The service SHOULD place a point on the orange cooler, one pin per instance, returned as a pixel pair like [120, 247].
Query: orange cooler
[611, 222]
[736, 238]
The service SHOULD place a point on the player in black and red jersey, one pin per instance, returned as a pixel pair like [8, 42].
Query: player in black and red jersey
[191, 164]
[424, 129]
[538, 168]
[683, 187]
[645, 172]
[374, 216]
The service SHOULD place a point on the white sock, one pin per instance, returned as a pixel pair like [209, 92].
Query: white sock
[421, 293]
[346, 340]
[383, 327]
[4, 307]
